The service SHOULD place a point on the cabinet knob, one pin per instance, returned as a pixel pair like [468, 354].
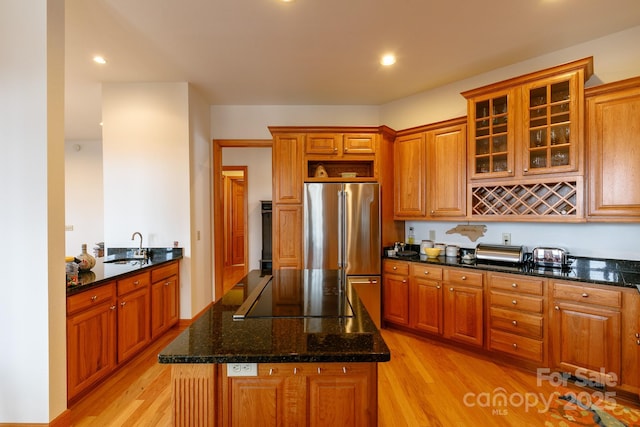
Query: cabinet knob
[438, 287]
[433, 212]
[556, 308]
[514, 285]
[113, 307]
[335, 148]
[450, 289]
[585, 295]
[509, 171]
[525, 170]
[638, 342]
[395, 268]
[123, 303]
[515, 345]
[464, 277]
[94, 298]
[137, 282]
[346, 149]
[514, 302]
[426, 272]
[515, 323]
[637, 334]
[167, 283]
[404, 280]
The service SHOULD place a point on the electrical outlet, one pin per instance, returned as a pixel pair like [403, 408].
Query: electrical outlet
[242, 369]
[506, 238]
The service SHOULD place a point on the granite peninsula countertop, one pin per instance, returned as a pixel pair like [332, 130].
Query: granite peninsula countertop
[610, 272]
[215, 337]
[111, 267]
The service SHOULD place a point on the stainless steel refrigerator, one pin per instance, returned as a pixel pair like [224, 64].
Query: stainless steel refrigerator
[342, 232]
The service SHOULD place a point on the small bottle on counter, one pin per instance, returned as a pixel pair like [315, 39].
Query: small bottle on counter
[412, 237]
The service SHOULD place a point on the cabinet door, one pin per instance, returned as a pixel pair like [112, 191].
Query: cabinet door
[287, 236]
[614, 154]
[447, 182]
[164, 305]
[340, 401]
[395, 291]
[463, 318]
[91, 347]
[323, 143]
[586, 341]
[359, 143]
[409, 161]
[492, 135]
[552, 128]
[287, 154]
[255, 401]
[426, 305]
[133, 323]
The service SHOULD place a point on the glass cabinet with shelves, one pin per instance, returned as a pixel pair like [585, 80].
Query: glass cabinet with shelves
[492, 152]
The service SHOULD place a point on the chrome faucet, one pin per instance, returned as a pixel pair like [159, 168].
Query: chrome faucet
[133, 237]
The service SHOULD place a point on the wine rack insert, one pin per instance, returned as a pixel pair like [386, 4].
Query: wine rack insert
[538, 199]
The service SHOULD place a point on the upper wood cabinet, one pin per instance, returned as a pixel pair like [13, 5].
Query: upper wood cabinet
[613, 147]
[530, 125]
[339, 144]
[287, 155]
[430, 171]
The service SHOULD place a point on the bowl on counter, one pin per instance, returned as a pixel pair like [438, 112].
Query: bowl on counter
[432, 252]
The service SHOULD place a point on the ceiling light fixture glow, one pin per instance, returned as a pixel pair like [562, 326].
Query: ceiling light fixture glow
[99, 60]
[388, 59]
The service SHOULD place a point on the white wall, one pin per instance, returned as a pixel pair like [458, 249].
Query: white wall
[146, 154]
[32, 298]
[84, 201]
[258, 162]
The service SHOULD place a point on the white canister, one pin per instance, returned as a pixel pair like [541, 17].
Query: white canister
[425, 244]
[451, 251]
[442, 247]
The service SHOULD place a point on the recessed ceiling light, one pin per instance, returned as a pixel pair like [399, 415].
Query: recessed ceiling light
[388, 59]
[99, 60]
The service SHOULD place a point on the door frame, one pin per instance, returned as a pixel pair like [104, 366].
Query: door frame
[228, 230]
[217, 200]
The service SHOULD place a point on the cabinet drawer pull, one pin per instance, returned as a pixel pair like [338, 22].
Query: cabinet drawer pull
[270, 371]
[515, 345]
[638, 342]
[295, 371]
[404, 280]
[515, 323]
[450, 289]
[395, 268]
[94, 298]
[123, 303]
[637, 334]
[335, 148]
[525, 170]
[136, 283]
[344, 369]
[556, 308]
[167, 283]
[426, 272]
[113, 307]
[438, 287]
[464, 277]
[514, 285]
[585, 295]
[346, 149]
[319, 370]
[514, 302]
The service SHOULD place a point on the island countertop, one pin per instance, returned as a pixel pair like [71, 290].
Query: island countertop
[286, 336]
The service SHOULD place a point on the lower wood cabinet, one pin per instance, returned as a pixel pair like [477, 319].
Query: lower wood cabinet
[109, 324]
[395, 292]
[305, 394]
[463, 306]
[91, 337]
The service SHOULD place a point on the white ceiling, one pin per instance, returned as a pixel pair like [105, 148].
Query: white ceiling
[313, 52]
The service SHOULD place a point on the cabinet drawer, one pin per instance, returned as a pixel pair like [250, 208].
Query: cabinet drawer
[396, 267]
[515, 345]
[515, 322]
[164, 271]
[90, 298]
[517, 283]
[132, 283]
[426, 271]
[589, 295]
[516, 302]
[468, 278]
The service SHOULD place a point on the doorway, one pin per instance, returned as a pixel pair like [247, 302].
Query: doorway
[235, 224]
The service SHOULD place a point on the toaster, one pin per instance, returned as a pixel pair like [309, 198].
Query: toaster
[549, 257]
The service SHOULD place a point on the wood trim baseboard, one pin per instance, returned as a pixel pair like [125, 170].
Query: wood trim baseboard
[62, 420]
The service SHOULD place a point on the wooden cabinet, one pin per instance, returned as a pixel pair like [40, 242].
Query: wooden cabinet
[426, 299]
[613, 146]
[586, 331]
[287, 236]
[526, 145]
[517, 308]
[165, 298]
[341, 145]
[287, 152]
[430, 171]
[285, 394]
[91, 337]
[463, 306]
[395, 291]
[134, 315]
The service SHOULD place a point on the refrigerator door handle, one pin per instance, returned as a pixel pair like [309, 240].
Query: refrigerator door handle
[341, 230]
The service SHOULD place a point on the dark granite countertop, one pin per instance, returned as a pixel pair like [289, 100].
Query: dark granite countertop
[215, 337]
[110, 268]
[581, 269]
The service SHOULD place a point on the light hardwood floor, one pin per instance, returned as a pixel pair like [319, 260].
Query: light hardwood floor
[425, 384]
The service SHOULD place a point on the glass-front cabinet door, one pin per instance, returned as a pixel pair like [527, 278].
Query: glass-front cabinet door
[550, 128]
[491, 134]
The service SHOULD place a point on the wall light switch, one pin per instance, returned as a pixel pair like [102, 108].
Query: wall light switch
[68, 228]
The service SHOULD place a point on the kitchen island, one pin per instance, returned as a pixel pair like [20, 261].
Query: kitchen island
[306, 353]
